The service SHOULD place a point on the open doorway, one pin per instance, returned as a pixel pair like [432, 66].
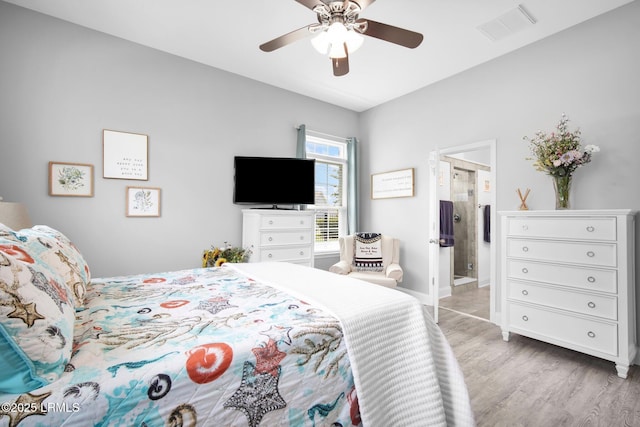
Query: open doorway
[467, 268]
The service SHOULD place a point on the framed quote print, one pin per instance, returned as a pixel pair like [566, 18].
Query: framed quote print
[125, 155]
[392, 184]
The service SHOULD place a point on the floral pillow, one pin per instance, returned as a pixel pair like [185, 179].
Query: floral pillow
[36, 318]
[54, 251]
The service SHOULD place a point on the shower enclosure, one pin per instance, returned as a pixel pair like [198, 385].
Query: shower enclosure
[468, 266]
[464, 226]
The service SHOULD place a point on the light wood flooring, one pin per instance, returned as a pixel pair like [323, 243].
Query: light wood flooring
[474, 301]
[525, 382]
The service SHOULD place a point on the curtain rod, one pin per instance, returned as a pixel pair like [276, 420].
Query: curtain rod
[322, 134]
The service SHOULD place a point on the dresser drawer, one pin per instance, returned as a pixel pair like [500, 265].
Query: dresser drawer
[302, 237]
[563, 228]
[285, 254]
[586, 333]
[600, 254]
[286, 221]
[594, 305]
[567, 275]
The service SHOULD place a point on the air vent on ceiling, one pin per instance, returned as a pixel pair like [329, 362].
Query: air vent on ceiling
[513, 21]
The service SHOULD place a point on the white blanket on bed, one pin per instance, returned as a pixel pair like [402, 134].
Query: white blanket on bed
[404, 370]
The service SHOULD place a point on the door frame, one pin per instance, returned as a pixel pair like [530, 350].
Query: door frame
[493, 252]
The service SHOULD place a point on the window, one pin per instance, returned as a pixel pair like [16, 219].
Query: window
[331, 191]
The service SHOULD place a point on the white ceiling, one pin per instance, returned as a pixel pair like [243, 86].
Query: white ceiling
[226, 35]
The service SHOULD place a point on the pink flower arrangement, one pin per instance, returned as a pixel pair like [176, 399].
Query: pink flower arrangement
[560, 153]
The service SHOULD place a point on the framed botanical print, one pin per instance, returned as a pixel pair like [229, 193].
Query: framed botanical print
[70, 179]
[143, 201]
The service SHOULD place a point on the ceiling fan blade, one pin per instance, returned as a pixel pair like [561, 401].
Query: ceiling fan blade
[286, 39]
[392, 34]
[309, 3]
[341, 65]
[363, 3]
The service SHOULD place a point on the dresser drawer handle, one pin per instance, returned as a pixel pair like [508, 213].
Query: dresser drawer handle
[525, 270]
[525, 227]
[591, 279]
[525, 292]
[591, 254]
[591, 334]
[525, 318]
[271, 239]
[591, 304]
[270, 256]
[525, 249]
[301, 237]
[302, 222]
[270, 222]
[301, 252]
[591, 229]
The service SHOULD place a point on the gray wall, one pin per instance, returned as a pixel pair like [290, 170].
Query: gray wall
[62, 84]
[591, 72]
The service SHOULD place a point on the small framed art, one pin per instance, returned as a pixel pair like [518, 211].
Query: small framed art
[70, 179]
[125, 155]
[143, 201]
[392, 184]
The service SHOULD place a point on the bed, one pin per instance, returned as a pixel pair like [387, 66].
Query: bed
[261, 344]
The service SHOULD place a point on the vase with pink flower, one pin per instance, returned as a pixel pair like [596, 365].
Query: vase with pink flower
[559, 154]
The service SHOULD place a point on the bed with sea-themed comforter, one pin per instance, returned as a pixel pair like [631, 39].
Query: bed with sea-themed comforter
[269, 344]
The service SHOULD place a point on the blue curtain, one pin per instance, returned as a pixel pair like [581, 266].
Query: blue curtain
[301, 149]
[352, 189]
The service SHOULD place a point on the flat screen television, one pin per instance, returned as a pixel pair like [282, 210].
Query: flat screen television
[274, 181]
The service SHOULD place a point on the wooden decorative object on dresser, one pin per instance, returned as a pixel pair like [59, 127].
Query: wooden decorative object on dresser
[567, 278]
[279, 235]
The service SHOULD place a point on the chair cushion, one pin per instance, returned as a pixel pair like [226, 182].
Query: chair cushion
[376, 278]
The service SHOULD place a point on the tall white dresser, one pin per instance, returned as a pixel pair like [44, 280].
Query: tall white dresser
[279, 235]
[568, 279]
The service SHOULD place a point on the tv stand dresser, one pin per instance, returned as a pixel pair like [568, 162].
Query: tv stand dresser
[279, 235]
[567, 278]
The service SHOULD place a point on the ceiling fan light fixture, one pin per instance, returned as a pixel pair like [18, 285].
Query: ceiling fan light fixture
[332, 41]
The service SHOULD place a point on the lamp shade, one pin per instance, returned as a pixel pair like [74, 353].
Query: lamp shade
[332, 41]
[14, 215]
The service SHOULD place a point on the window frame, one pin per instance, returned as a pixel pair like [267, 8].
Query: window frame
[342, 210]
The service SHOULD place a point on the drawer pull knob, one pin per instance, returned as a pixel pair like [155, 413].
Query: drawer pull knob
[525, 249]
[525, 292]
[525, 270]
[591, 229]
[271, 222]
[591, 334]
[591, 304]
[591, 279]
[591, 254]
[301, 237]
[271, 239]
[301, 252]
[525, 318]
[270, 256]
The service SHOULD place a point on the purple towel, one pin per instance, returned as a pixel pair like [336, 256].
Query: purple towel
[487, 223]
[446, 223]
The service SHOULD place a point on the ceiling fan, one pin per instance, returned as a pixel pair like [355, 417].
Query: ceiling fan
[338, 31]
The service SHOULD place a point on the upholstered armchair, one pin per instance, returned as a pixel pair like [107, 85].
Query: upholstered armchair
[390, 272]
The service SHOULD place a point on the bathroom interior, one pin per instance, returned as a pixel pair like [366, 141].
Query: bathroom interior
[470, 191]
